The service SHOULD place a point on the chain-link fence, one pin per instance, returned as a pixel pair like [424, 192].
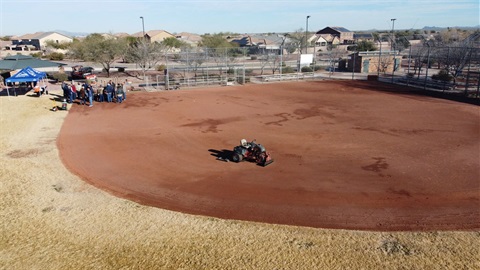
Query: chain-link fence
[223, 66]
[449, 70]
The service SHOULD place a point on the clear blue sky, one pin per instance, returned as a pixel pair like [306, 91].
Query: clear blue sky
[18, 17]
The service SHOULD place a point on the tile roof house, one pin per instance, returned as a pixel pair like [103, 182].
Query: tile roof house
[121, 35]
[189, 38]
[363, 37]
[38, 40]
[324, 41]
[248, 40]
[344, 35]
[154, 35]
[259, 43]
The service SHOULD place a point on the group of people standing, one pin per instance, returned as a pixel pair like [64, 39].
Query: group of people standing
[111, 93]
[86, 93]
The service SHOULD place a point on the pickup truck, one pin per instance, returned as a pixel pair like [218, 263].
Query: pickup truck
[81, 72]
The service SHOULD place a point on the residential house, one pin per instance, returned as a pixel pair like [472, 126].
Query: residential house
[363, 37]
[189, 38]
[322, 43]
[258, 43]
[108, 36]
[121, 35]
[38, 41]
[343, 35]
[154, 35]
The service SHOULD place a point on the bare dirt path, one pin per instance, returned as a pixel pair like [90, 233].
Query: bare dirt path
[345, 156]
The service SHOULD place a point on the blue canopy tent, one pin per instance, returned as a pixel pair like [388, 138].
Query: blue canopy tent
[27, 74]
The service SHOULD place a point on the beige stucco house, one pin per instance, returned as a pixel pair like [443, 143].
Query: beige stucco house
[154, 35]
[38, 40]
[189, 38]
[344, 35]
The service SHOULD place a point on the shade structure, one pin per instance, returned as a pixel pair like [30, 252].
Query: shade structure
[18, 61]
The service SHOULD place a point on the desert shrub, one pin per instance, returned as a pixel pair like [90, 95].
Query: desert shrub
[288, 70]
[253, 57]
[230, 71]
[317, 67]
[307, 69]
[60, 77]
[442, 75]
[393, 246]
[36, 55]
[161, 67]
[248, 71]
[56, 56]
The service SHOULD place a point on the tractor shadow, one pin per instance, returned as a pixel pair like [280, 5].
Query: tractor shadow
[222, 155]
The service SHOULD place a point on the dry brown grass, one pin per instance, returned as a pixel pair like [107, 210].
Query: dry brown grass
[51, 219]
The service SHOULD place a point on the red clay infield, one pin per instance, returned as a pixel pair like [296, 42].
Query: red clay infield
[346, 156]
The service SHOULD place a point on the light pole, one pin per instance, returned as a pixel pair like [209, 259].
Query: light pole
[393, 28]
[281, 52]
[354, 56]
[143, 27]
[306, 36]
[379, 55]
[409, 58]
[143, 31]
[428, 64]
[393, 47]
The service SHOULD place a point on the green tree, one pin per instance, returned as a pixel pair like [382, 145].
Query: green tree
[124, 44]
[146, 54]
[77, 50]
[365, 45]
[173, 42]
[99, 49]
[295, 41]
[215, 41]
[55, 45]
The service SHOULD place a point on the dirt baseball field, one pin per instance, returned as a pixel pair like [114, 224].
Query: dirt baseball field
[53, 219]
[350, 155]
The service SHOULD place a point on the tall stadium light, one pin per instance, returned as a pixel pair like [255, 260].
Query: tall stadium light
[393, 47]
[143, 26]
[306, 36]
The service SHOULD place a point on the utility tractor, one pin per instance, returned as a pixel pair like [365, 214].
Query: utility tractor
[253, 152]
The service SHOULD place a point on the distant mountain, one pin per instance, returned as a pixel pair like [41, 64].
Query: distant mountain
[435, 28]
[71, 34]
[425, 28]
